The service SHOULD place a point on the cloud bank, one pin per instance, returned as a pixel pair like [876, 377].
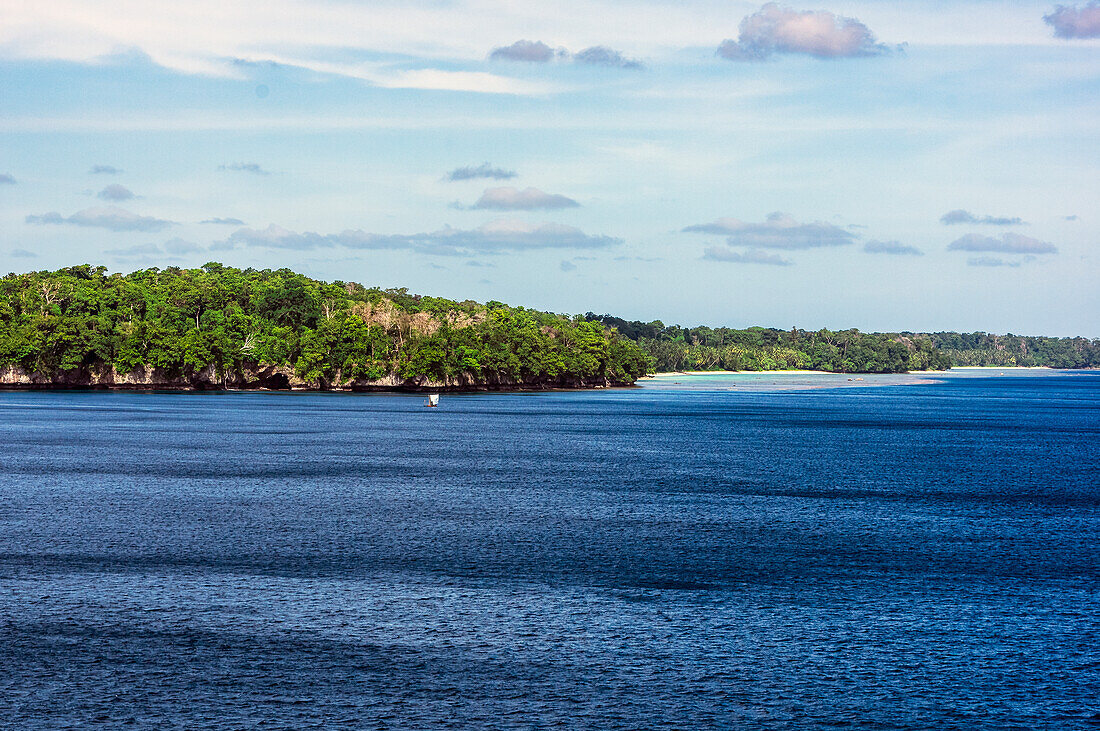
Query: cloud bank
[960, 216]
[115, 192]
[752, 256]
[778, 30]
[111, 218]
[1007, 244]
[493, 237]
[1070, 21]
[529, 199]
[891, 247]
[778, 231]
[482, 171]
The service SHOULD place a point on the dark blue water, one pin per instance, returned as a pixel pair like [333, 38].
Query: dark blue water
[906, 556]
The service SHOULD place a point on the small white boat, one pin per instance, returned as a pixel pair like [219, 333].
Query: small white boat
[433, 400]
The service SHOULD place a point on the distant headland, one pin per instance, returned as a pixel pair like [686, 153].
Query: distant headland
[217, 327]
[672, 348]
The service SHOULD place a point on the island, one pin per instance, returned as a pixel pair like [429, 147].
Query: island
[217, 327]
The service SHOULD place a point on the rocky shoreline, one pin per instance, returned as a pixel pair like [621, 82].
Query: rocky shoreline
[272, 378]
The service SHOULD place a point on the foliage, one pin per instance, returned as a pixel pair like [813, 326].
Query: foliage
[675, 348]
[223, 319]
[983, 349]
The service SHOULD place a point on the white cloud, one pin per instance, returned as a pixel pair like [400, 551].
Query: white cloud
[1070, 21]
[212, 38]
[475, 81]
[778, 231]
[528, 199]
[752, 256]
[539, 52]
[604, 56]
[1007, 244]
[115, 192]
[819, 33]
[484, 170]
[277, 237]
[495, 236]
[527, 51]
[990, 261]
[891, 247]
[207, 36]
[245, 167]
[111, 217]
[391, 76]
[960, 216]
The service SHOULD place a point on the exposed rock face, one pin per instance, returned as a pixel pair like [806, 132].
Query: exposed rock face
[386, 315]
[150, 378]
[273, 378]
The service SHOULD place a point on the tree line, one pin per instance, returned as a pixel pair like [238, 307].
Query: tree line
[676, 348]
[216, 317]
[984, 349]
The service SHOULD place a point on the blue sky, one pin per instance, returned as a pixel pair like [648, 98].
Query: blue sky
[923, 166]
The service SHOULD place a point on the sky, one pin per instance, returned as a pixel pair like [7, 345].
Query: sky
[867, 163]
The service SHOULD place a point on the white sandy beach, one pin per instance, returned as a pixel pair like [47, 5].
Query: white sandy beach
[667, 374]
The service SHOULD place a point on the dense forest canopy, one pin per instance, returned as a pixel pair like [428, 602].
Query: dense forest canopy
[221, 320]
[984, 349]
[675, 348]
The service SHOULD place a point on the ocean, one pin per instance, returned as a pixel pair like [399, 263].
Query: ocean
[759, 551]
